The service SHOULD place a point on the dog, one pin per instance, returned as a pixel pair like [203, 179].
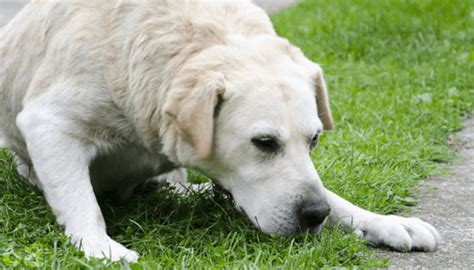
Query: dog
[102, 96]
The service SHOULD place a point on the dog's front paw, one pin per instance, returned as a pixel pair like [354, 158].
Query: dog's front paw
[399, 233]
[106, 248]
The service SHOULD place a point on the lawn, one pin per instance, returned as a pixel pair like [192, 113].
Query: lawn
[400, 75]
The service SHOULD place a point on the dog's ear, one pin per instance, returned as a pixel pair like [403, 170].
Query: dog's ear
[322, 98]
[192, 105]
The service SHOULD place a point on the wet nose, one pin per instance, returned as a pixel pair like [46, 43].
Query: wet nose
[313, 214]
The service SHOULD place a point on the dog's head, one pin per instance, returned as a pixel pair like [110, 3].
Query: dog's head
[248, 114]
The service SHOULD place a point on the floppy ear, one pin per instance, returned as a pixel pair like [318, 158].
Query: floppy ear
[192, 105]
[322, 99]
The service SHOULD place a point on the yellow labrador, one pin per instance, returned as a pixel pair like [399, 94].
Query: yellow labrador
[103, 95]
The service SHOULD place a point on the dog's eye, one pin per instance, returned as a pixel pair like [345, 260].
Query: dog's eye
[267, 144]
[314, 141]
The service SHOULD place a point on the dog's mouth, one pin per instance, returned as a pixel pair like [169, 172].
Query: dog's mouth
[301, 229]
[286, 230]
[314, 230]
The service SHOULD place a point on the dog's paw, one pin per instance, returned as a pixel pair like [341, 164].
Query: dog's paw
[106, 249]
[178, 180]
[399, 233]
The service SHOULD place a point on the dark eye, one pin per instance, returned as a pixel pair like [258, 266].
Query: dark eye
[314, 141]
[267, 144]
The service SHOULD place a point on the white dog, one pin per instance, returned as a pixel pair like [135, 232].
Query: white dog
[103, 95]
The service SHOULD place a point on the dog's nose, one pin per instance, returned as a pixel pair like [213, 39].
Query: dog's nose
[313, 214]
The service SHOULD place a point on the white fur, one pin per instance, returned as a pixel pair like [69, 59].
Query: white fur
[99, 96]
[399, 233]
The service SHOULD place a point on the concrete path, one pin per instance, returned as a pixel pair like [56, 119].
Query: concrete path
[450, 208]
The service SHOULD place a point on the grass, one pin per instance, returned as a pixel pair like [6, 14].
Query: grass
[401, 78]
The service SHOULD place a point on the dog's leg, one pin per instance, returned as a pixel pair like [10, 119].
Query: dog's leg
[398, 233]
[61, 162]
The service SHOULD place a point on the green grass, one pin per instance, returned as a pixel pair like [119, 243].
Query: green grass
[400, 75]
